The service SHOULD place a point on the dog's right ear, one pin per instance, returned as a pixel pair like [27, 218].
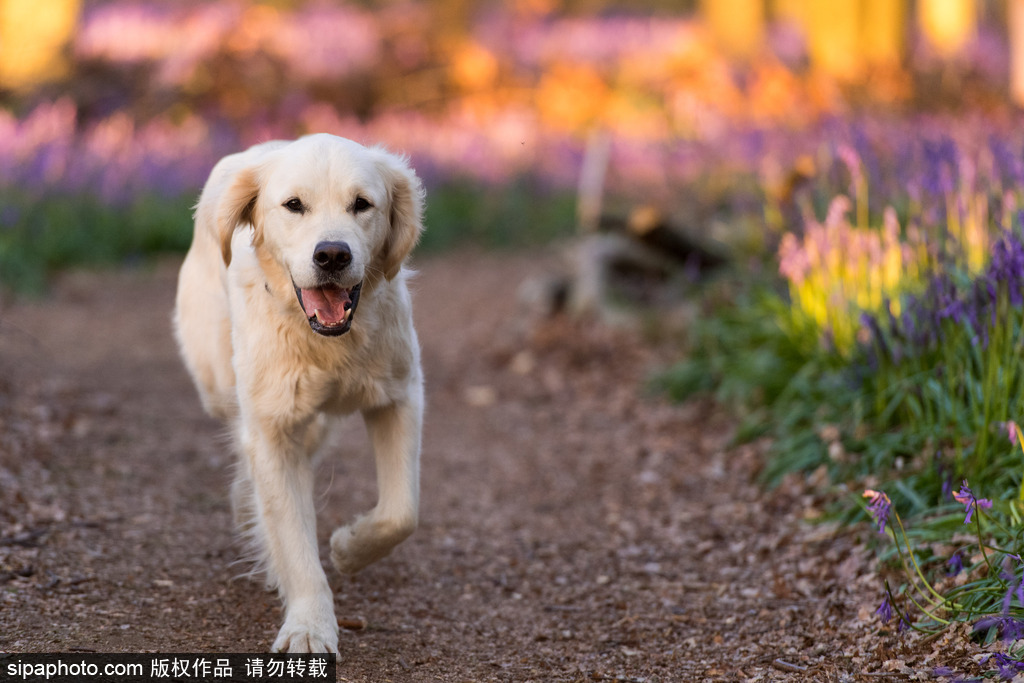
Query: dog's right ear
[237, 207]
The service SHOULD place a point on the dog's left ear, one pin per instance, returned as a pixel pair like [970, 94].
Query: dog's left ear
[406, 195]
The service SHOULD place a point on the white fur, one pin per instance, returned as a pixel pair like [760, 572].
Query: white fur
[258, 365]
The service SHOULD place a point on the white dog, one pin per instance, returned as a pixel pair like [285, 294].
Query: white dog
[290, 239]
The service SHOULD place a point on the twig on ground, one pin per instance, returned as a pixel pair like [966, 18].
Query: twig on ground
[783, 665]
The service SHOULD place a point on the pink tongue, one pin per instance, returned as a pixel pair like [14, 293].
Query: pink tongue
[327, 303]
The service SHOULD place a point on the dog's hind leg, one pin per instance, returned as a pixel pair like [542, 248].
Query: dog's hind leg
[395, 436]
[282, 480]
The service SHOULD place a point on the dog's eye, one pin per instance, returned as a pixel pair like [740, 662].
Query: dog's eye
[360, 205]
[295, 205]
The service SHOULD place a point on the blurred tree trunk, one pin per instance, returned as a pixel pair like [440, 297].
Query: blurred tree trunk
[1015, 19]
[846, 38]
[833, 37]
[33, 38]
[884, 31]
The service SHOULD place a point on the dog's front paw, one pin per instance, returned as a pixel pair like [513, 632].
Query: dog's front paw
[344, 560]
[308, 631]
[358, 545]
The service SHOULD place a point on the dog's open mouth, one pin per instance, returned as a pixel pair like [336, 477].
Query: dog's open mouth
[330, 308]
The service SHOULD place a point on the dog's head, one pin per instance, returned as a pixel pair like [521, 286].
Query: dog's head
[329, 212]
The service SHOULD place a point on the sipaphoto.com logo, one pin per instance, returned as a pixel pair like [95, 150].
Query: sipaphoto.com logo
[167, 668]
[48, 671]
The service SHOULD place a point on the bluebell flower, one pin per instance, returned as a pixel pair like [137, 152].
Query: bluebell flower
[1009, 628]
[1009, 164]
[1007, 266]
[881, 346]
[879, 506]
[947, 302]
[1006, 666]
[884, 610]
[868, 156]
[945, 475]
[941, 166]
[955, 564]
[971, 503]
[1014, 587]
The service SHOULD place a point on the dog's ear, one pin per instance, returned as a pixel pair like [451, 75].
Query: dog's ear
[237, 207]
[406, 195]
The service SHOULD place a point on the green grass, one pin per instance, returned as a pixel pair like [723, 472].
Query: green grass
[521, 213]
[40, 236]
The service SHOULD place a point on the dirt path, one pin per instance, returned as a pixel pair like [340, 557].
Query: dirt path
[573, 528]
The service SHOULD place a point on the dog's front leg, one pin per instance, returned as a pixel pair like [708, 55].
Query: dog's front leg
[395, 436]
[282, 479]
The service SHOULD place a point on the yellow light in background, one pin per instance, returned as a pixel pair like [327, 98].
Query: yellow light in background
[947, 24]
[882, 34]
[833, 37]
[473, 67]
[32, 39]
[571, 96]
[736, 25]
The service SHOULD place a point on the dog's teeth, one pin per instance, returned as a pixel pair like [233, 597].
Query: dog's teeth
[318, 315]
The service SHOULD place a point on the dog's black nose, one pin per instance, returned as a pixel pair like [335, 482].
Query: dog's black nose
[332, 256]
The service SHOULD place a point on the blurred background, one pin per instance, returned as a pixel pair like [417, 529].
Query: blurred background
[827, 195]
[113, 112]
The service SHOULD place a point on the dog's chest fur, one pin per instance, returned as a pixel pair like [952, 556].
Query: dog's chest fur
[370, 366]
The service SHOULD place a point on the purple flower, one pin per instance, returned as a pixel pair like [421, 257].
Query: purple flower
[948, 672]
[1013, 588]
[1006, 666]
[880, 350]
[967, 498]
[941, 166]
[1007, 267]
[945, 475]
[851, 159]
[868, 157]
[946, 302]
[955, 564]
[925, 319]
[879, 506]
[884, 611]
[1008, 163]
[1008, 628]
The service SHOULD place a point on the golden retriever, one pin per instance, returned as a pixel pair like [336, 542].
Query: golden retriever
[292, 306]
